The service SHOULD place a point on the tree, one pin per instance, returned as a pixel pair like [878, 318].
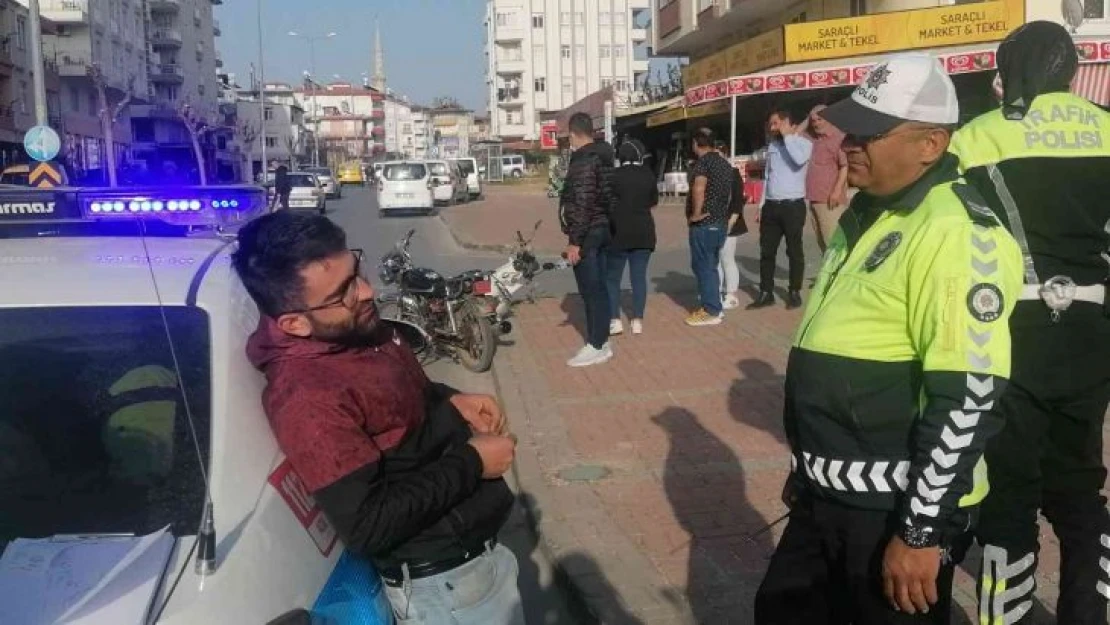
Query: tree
[446, 102]
[197, 125]
[247, 133]
[109, 115]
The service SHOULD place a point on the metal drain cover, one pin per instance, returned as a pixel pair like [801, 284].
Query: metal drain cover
[584, 473]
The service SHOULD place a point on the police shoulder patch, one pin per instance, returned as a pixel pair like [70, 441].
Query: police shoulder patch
[883, 250]
[975, 204]
[985, 302]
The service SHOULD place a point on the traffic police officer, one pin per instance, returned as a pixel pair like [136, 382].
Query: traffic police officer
[1043, 163]
[901, 352]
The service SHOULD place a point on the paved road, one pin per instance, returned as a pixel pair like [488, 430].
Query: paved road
[544, 600]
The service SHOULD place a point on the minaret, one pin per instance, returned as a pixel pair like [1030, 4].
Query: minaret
[378, 81]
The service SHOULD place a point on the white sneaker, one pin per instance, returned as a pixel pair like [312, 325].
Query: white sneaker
[590, 355]
[730, 302]
[616, 327]
[637, 326]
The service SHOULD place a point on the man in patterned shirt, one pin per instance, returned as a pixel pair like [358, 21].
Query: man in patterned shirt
[707, 214]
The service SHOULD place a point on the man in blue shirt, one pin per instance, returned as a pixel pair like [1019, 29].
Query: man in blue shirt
[784, 206]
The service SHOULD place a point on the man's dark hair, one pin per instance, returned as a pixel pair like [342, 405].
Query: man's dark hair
[581, 124]
[273, 250]
[703, 138]
[786, 113]
[720, 145]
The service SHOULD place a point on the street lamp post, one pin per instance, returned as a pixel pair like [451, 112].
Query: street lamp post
[312, 39]
[261, 96]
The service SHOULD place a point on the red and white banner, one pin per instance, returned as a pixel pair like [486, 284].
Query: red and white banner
[1090, 52]
[292, 489]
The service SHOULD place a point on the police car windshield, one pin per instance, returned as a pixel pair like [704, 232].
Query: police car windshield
[93, 434]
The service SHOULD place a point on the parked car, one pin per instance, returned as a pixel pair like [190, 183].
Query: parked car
[469, 168]
[328, 180]
[448, 183]
[351, 173]
[512, 165]
[405, 185]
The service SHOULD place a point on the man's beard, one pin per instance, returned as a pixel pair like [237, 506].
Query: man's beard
[364, 327]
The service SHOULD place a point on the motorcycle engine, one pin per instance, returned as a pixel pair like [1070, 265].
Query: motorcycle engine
[390, 269]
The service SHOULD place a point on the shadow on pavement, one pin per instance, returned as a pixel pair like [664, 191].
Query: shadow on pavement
[705, 485]
[557, 601]
[679, 286]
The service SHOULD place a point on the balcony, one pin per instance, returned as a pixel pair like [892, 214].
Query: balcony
[73, 66]
[640, 65]
[66, 11]
[377, 113]
[502, 33]
[219, 59]
[510, 65]
[640, 35]
[167, 7]
[167, 74]
[216, 28]
[712, 27]
[165, 38]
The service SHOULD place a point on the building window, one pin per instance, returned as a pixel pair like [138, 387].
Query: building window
[271, 142]
[504, 19]
[200, 89]
[92, 103]
[857, 7]
[618, 52]
[538, 53]
[618, 18]
[568, 86]
[622, 84]
[1094, 9]
[74, 99]
[516, 118]
[539, 85]
[580, 52]
[537, 20]
[564, 51]
[21, 32]
[606, 82]
[268, 114]
[603, 52]
[603, 18]
[579, 18]
[564, 18]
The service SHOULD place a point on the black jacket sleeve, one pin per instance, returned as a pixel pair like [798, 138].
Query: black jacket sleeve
[373, 513]
[581, 194]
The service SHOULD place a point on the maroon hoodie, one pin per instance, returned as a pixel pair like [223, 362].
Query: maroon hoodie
[379, 446]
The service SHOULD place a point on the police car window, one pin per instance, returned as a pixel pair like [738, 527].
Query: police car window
[404, 172]
[93, 433]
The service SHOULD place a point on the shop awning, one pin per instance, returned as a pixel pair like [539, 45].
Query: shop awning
[828, 73]
[1093, 82]
[682, 113]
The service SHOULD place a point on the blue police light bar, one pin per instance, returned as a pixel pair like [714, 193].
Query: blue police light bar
[216, 206]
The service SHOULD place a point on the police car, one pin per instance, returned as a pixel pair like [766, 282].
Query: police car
[127, 405]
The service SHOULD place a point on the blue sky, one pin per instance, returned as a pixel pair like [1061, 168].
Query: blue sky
[432, 47]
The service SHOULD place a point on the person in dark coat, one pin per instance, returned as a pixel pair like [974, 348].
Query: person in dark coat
[635, 193]
[282, 186]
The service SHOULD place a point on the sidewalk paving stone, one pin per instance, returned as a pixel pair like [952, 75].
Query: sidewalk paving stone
[684, 426]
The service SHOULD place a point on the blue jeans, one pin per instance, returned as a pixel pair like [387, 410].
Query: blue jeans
[480, 592]
[590, 274]
[705, 254]
[637, 261]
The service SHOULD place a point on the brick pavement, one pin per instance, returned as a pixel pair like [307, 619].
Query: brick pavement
[649, 474]
[491, 223]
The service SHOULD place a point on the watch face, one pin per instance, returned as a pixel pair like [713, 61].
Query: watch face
[918, 537]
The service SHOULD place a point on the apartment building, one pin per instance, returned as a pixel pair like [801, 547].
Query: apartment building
[160, 52]
[16, 78]
[347, 119]
[450, 129]
[282, 127]
[421, 133]
[544, 55]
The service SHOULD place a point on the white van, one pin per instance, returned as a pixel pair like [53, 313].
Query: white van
[404, 185]
[469, 168]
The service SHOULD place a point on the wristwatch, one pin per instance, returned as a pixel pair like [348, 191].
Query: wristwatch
[919, 536]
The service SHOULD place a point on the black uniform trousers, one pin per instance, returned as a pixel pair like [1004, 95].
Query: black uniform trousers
[1048, 457]
[827, 569]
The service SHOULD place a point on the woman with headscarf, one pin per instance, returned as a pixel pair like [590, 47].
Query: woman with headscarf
[1042, 163]
[635, 194]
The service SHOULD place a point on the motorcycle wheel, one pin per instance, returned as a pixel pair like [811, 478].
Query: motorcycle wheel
[478, 343]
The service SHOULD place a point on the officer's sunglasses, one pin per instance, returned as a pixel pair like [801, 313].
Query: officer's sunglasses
[346, 295]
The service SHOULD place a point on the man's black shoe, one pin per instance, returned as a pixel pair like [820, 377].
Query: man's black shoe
[794, 300]
[763, 301]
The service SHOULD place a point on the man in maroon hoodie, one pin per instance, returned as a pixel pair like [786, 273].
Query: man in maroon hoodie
[408, 471]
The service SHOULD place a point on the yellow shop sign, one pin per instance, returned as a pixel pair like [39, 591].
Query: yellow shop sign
[936, 27]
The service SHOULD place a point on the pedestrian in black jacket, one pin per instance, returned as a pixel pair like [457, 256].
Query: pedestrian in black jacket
[283, 187]
[633, 226]
[584, 208]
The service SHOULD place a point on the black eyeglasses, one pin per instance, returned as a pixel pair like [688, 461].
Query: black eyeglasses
[347, 293]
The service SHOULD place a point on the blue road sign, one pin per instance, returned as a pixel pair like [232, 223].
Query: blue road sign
[42, 143]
